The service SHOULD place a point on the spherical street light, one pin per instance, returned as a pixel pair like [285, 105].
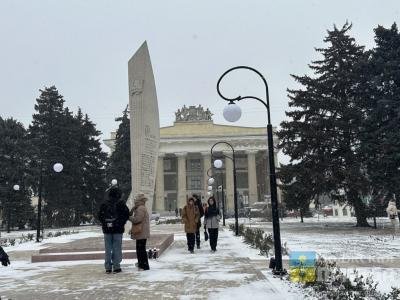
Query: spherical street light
[16, 187]
[114, 182]
[211, 181]
[232, 112]
[218, 163]
[58, 167]
[210, 188]
[209, 193]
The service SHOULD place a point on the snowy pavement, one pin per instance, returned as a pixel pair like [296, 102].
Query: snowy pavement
[226, 274]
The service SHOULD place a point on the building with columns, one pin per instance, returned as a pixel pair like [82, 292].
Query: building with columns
[185, 160]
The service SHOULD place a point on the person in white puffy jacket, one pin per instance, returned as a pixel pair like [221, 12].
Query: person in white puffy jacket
[393, 214]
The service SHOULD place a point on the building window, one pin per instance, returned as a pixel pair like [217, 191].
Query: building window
[194, 165]
[167, 165]
[170, 182]
[194, 183]
[242, 181]
[170, 164]
[241, 163]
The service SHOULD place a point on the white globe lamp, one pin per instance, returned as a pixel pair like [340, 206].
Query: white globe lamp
[58, 167]
[210, 188]
[16, 187]
[218, 163]
[211, 181]
[114, 182]
[232, 112]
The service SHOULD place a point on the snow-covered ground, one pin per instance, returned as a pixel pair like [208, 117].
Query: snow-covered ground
[331, 238]
[82, 232]
[335, 238]
[226, 274]
[386, 278]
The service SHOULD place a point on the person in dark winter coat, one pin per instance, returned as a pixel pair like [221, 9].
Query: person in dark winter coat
[211, 222]
[190, 217]
[5, 261]
[201, 211]
[113, 215]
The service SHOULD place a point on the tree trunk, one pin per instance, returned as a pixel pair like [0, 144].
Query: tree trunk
[301, 215]
[361, 214]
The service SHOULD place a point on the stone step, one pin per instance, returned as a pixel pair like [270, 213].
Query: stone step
[71, 256]
[81, 251]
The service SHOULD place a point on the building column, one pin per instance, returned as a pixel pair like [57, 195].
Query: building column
[182, 193]
[252, 176]
[160, 201]
[229, 188]
[206, 165]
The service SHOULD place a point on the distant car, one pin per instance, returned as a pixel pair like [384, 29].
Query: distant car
[155, 216]
[260, 210]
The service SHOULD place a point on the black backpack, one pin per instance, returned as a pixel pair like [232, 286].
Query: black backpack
[110, 215]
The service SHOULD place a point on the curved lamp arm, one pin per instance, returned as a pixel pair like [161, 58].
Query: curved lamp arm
[238, 98]
[226, 143]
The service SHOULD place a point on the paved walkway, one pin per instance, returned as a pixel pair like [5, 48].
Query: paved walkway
[226, 274]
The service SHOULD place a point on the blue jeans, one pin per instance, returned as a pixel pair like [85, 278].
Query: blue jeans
[113, 248]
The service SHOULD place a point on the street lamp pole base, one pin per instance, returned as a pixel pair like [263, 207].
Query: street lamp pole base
[279, 272]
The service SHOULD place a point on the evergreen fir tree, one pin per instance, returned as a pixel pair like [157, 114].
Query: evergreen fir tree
[14, 158]
[93, 160]
[297, 191]
[49, 135]
[322, 135]
[119, 163]
[380, 97]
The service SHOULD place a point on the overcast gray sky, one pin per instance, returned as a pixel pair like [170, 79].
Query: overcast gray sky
[83, 48]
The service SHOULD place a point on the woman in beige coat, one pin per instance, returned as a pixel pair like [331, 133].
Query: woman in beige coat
[393, 214]
[190, 217]
[140, 230]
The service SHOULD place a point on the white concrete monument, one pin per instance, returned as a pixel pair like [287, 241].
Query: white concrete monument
[145, 125]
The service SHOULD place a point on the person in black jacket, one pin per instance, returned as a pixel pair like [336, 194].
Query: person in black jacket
[4, 260]
[113, 215]
[211, 222]
[201, 211]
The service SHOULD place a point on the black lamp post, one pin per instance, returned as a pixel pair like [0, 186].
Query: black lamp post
[218, 164]
[223, 196]
[232, 113]
[57, 167]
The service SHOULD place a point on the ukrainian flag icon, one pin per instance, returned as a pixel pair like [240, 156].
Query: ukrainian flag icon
[302, 266]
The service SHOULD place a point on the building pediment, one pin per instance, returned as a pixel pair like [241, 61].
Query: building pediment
[207, 129]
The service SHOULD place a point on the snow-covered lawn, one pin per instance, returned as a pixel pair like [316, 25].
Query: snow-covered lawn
[83, 232]
[386, 278]
[335, 238]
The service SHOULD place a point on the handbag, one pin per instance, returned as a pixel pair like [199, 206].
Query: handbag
[205, 235]
[137, 228]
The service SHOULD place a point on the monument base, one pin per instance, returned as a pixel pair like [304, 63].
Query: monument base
[93, 249]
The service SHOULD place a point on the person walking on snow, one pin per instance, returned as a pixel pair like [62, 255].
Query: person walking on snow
[140, 230]
[190, 217]
[211, 222]
[113, 215]
[201, 211]
[393, 214]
